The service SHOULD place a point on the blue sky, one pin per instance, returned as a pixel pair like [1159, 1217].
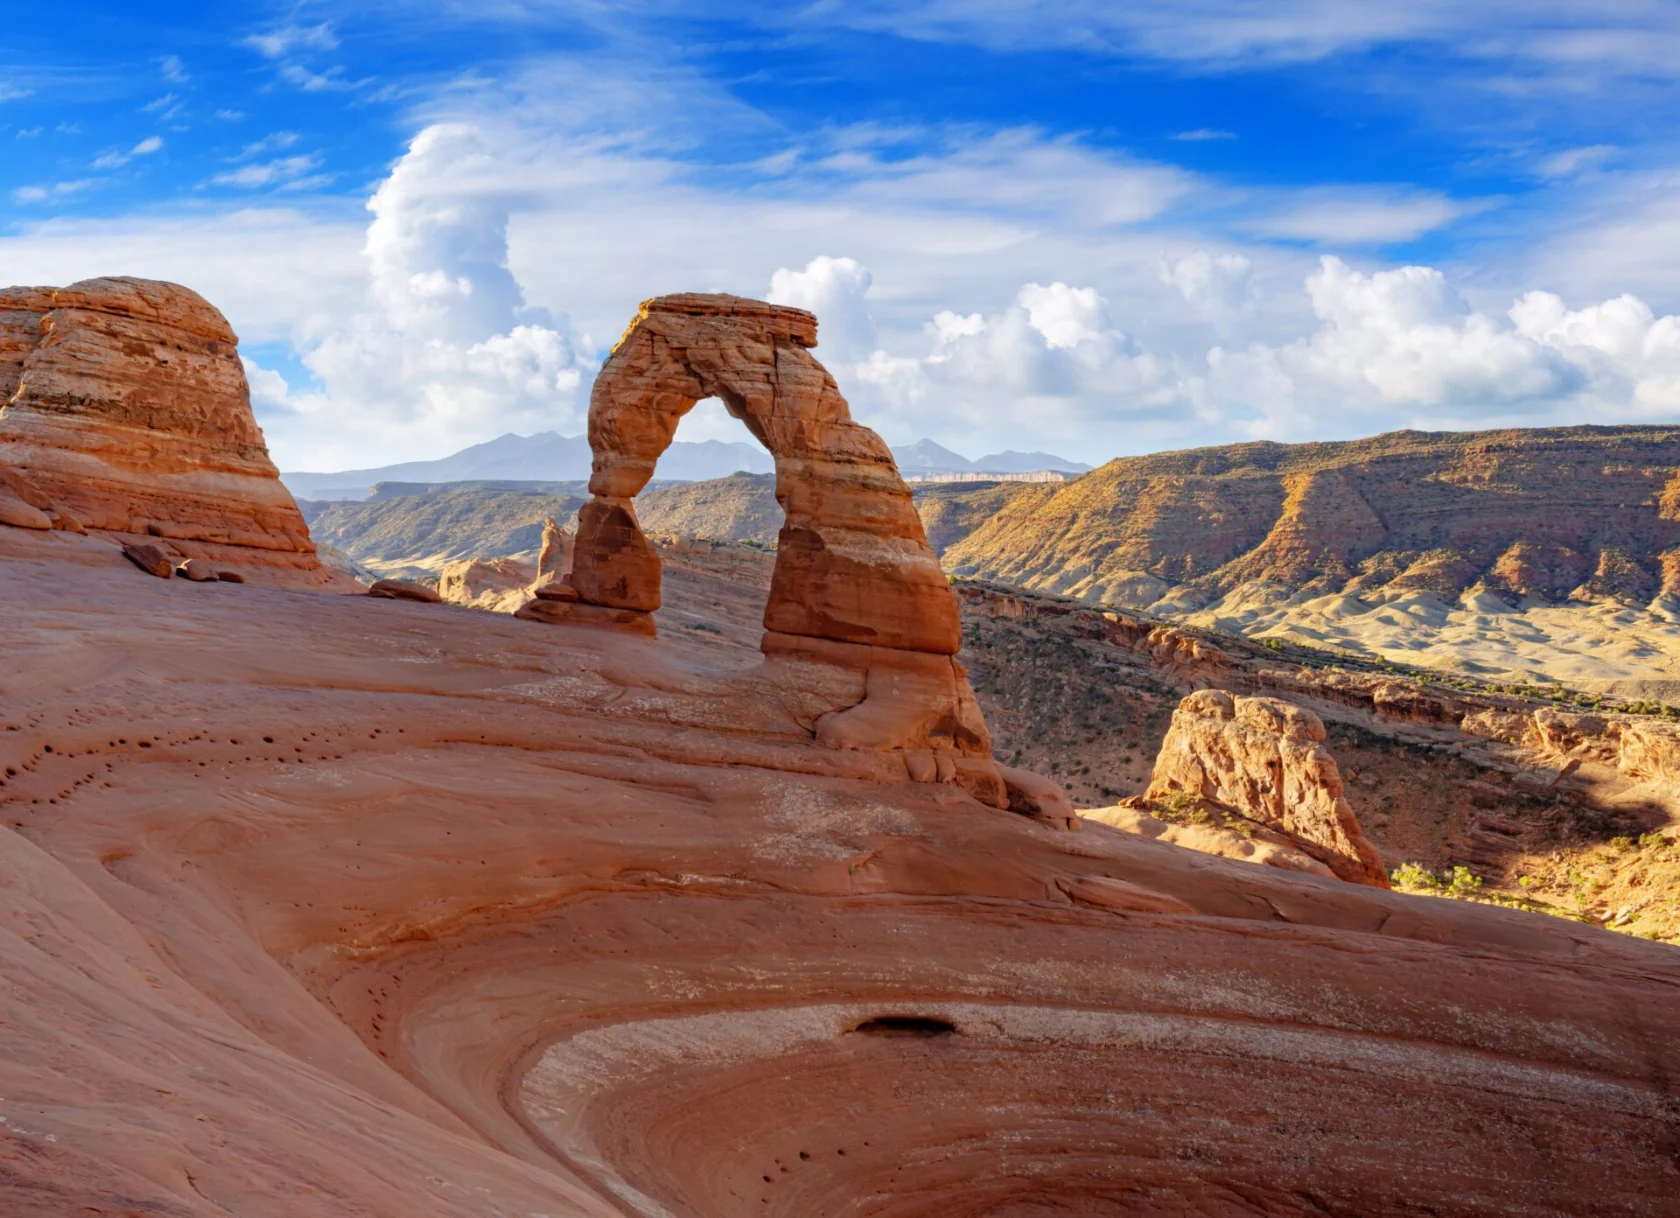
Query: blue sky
[1085, 227]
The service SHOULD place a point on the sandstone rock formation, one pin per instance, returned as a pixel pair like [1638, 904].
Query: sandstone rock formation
[500, 585]
[314, 908]
[403, 590]
[149, 558]
[124, 402]
[855, 585]
[1264, 759]
[1204, 829]
[853, 564]
[554, 561]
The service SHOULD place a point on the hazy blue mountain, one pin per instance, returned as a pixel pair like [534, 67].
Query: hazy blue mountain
[926, 457]
[544, 457]
[1012, 462]
[551, 457]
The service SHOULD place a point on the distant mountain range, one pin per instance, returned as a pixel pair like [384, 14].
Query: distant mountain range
[551, 457]
[926, 457]
[544, 457]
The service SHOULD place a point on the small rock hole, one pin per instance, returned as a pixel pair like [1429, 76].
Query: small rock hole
[906, 1025]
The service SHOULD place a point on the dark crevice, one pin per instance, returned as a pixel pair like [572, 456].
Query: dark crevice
[906, 1025]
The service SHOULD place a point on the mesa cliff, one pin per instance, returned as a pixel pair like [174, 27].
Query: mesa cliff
[1550, 514]
[330, 905]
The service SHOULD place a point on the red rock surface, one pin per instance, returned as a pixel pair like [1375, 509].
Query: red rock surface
[319, 905]
[124, 402]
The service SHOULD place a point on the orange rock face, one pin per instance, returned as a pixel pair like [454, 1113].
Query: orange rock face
[855, 584]
[125, 403]
[853, 563]
[1264, 759]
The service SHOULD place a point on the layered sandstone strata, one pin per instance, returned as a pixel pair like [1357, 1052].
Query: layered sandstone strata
[1265, 760]
[125, 403]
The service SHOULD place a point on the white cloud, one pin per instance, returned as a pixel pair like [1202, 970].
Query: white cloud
[288, 172]
[833, 289]
[269, 143]
[1574, 161]
[115, 160]
[1561, 35]
[1021, 171]
[311, 81]
[1368, 215]
[285, 39]
[1216, 286]
[13, 92]
[1051, 359]
[1621, 347]
[1402, 347]
[56, 190]
[444, 351]
[269, 269]
[1203, 134]
[173, 69]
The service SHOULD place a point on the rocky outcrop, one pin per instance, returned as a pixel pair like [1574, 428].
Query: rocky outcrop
[1265, 760]
[501, 585]
[126, 405]
[855, 585]
[403, 590]
[554, 560]
[853, 562]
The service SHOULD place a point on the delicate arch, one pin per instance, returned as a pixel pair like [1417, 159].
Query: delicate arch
[853, 563]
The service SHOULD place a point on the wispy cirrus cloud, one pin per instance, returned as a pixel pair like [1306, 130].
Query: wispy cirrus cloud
[54, 190]
[284, 40]
[1638, 36]
[116, 159]
[288, 173]
[1358, 215]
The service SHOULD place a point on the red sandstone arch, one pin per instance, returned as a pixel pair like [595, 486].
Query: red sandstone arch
[853, 564]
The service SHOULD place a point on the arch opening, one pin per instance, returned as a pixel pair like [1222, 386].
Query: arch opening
[853, 564]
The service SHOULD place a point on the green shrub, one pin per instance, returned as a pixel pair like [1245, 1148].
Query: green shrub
[1464, 881]
[1412, 875]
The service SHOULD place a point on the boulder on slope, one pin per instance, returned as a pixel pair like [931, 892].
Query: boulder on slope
[1264, 760]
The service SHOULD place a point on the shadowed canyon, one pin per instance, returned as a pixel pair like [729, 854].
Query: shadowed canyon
[721, 882]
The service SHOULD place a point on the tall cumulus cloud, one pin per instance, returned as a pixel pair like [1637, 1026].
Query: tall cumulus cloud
[445, 350]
